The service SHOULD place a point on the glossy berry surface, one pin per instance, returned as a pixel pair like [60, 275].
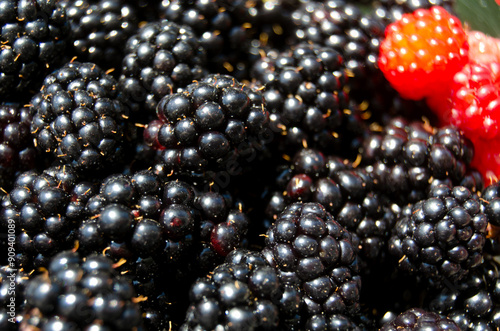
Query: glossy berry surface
[17, 151]
[416, 319]
[309, 249]
[444, 236]
[76, 293]
[99, 30]
[244, 292]
[160, 58]
[79, 117]
[213, 125]
[34, 37]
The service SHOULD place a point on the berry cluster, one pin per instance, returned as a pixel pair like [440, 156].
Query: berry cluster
[247, 165]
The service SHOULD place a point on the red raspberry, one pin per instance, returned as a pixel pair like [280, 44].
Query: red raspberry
[483, 48]
[422, 51]
[487, 159]
[474, 105]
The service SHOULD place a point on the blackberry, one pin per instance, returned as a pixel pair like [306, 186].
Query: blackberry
[142, 216]
[443, 237]
[47, 208]
[80, 117]
[355, 35]
[222, 27]
[100, 29]
[216, 124]
[311, 250]
[305, 93]
[474, 303]
[34, 38]
[419, 319]
[244, 293]
[12, 287]
[159, 59]
[17, 152]
[407, 159]
[77, 293]
[346, 192]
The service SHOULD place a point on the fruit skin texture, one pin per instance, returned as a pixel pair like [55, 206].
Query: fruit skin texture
[77, 293]
[17, 152]
[443, 236]
[242, 292]
[80, 117]
[418, 319]
[483, 48]
[34, 39]
[100, 29]
[160, 58]
[215, 124]
[475, 100]
[473, 105]
[422, 51]
[309, 249]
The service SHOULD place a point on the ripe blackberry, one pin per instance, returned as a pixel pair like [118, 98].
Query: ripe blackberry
[12, 286]
[47, 208]
[216, 124]
[100, 29]
[443, 237]
[226, 29]
[345, 192]
[311, 250]
[407, 159]
[159, 59]
[244, 293]
[474, 303]
[80, 293]
[305, 92]
[355, 35]
[419, 319]
[34, 39]
[142, 216]
[17, 152]
[80, 117]
[214, 23]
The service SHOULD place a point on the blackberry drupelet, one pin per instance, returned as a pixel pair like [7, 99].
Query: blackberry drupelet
[419, 319]
[100, 29]
[407, 159]
[47, 207]
[311, 250]
[346, 192]
[305, 92]
[244, 293]
[34, 39]
[216, 124]
[80, 117]
[442, 239]
[159, 59]
[17, 152]
[473, 304]
[79, 293]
